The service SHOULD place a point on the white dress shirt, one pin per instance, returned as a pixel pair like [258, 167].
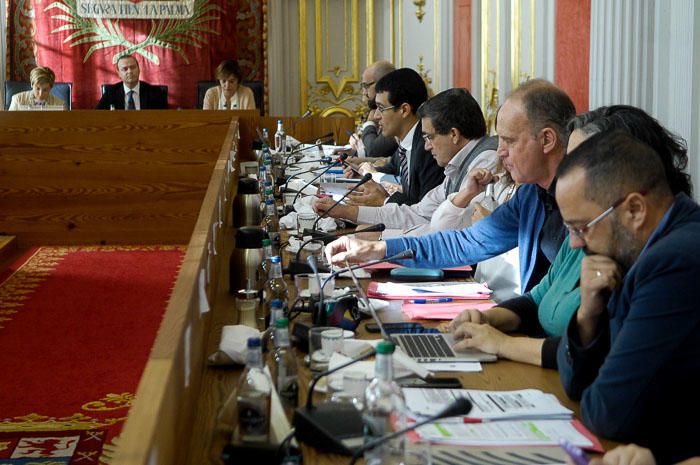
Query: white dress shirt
[400, 219]
[137, 98]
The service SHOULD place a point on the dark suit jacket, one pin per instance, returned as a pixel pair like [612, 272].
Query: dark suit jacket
[376, 145]
[152, 97]
[424, 173]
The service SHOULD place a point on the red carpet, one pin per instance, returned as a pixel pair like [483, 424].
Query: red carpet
[76, 328]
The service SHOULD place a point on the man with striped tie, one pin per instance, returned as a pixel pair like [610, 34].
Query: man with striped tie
[399, 94]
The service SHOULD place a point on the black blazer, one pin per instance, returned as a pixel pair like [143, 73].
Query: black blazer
[424, 175]
[376, 145]
[152, 97]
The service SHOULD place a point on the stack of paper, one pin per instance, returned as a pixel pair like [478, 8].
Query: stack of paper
[488, 405]
[405, 291]
[437, 311]
[527, 417]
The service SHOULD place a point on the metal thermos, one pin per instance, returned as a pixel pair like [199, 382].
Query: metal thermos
[246, 205]
[245, 259]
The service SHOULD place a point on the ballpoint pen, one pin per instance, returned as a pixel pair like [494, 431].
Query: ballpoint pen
[430, 301]
[575, 453]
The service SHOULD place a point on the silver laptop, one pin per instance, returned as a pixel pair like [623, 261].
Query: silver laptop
[423, 347]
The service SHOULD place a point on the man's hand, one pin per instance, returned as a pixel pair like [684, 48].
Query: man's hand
[370, 194]
[477, 179]
[366, 167]
[324, 204]
[631, 454]
[600, 275]
[484, 337]
[354, 251]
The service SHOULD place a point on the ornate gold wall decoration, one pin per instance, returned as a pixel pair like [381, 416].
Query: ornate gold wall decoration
[328, 83]
[423, 72]
[420, 13]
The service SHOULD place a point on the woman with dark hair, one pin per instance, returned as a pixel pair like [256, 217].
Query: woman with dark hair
[547, 308]
[229, 94]
[671, 148]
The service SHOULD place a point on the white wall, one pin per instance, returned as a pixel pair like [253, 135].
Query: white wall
[646, 53]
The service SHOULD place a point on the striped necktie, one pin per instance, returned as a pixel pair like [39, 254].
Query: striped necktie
[130, 104]
[403, 166]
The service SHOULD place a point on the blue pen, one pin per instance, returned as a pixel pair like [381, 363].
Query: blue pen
[431, 301]
[577, 455]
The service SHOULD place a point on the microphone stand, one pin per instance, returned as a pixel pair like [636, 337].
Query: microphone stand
[296, 197]
[367, 177]
[460, 406]
[295, 267]
[323, 139]
[330, 426]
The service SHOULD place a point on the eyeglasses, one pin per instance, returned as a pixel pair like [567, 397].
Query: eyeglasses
[428, 137]
[382, 109]
[581, 231]
[366, 85]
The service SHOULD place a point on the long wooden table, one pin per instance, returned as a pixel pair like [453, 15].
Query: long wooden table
[218, 382]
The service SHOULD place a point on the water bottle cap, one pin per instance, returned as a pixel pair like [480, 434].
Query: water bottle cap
[269, 201]
[279, 121]
[385, 347]
[275, 259]
[276, 303]
[266, 242]
[254, 342]
[282, 323]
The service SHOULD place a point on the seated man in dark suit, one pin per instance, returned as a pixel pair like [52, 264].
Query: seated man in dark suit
[399, 94]
[132, 94]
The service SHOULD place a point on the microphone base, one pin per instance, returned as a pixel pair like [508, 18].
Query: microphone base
[262, 453]
[296, 267]
[320, 427]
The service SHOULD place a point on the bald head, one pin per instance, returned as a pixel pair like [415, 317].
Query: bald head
[372, 74]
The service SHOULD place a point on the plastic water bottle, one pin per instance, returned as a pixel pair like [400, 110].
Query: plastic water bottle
[384, 410]
[284, 368]
[275, 288]
[253, 397]
[489, 201]
[280, 138]
[271, 224]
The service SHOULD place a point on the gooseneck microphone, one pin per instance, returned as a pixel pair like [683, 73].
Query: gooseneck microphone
[367, 177]
[320, 141]
[459, 407]
[330, 426]
[339, 161]
[407, 254]
[296, 267]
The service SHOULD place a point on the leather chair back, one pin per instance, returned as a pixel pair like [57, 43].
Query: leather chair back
[255, 86]
[62, 90]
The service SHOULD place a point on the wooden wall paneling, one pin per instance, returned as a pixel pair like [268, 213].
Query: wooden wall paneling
[312, 127]
[91, 177]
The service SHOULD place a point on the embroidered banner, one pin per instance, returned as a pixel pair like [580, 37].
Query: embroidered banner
[177, 42]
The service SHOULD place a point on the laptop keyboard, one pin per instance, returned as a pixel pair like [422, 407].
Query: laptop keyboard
[425, 345]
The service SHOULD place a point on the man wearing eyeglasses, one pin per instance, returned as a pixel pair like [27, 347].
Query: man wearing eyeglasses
[532, 142]
[373, 142]
[631, 352]
[454, 131]
[399, 94]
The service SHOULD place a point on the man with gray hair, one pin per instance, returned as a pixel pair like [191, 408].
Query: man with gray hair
[373, 143]
[532, 139]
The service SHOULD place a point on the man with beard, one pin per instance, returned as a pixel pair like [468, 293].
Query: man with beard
[631, 352]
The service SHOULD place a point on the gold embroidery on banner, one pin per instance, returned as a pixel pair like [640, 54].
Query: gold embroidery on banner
[110, 402]
[4, 445]
[36, 422]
